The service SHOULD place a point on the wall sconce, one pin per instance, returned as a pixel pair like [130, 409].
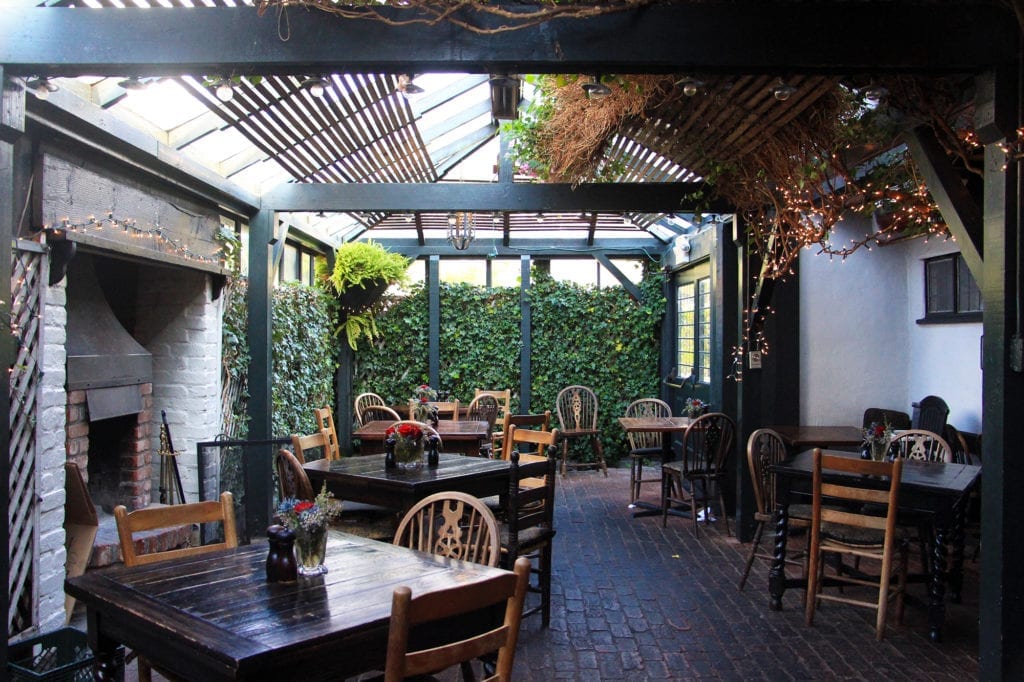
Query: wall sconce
[782, 91]
[407, 87]
[874, 94]
[461, 229]
[505, 95]
[224, 89]
[691, 86]
[41, 87]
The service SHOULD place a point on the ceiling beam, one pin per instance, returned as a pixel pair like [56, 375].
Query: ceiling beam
[749, 36]
[651, 197]
[550, 248]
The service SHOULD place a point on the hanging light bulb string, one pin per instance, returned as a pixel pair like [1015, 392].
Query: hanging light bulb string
[129, 226]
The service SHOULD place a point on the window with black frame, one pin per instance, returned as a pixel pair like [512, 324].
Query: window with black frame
[951, 294]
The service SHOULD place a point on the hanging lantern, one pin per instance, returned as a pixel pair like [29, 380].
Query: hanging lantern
[461, 229]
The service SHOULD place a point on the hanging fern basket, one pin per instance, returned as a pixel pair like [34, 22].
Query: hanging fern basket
[356, 299]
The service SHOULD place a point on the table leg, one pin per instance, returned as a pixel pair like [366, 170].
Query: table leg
[648, 508]
[937, 587]
[956, 572]
[105, 649]
[777, 573]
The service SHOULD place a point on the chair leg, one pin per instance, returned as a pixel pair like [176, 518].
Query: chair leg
[754, 544]
[595, 442]
[544, 579]
[635, 478]
[565, 455]
[725, 513]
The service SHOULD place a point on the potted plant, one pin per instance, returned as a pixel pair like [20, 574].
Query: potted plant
[362, 272]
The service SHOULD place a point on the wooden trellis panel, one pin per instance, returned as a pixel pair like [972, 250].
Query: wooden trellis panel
[28, 278]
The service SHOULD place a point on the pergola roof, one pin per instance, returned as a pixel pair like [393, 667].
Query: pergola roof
[363, 131]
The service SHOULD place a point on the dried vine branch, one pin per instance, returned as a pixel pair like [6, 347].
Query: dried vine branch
[477, 16]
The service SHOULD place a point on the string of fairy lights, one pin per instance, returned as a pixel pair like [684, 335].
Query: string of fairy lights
[130, 227]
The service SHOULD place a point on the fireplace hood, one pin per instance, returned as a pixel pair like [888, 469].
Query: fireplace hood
[102, 357]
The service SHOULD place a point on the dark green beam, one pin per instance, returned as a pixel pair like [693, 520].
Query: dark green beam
[631, 289]
[550, 248]
[959, 209]
[752, 37]
[643, 197]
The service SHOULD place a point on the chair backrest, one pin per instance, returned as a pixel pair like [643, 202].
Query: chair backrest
[152, 518]
[445, 409]
[922, 445]
[325, 422]
[764, 448]
[363, 400]
[540, 422]
[483, 408]
[707, 442]
[577, 408]
[304, 445]
[454, 525]
[379, 413]
[292, 480]
[845, 514]
[531, 496]
[504, 399]
[961, 451]
[646, 407]
[881, 415]
[930, 414]
[408, 611]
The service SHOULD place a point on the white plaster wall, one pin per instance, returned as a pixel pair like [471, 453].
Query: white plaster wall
[182, 328]
[860, 345]
[50, 457]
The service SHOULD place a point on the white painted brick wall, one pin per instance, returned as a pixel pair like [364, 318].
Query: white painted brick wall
[183, 328]
[50, 461]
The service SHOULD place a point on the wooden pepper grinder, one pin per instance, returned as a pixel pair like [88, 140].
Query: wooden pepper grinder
[281, 566]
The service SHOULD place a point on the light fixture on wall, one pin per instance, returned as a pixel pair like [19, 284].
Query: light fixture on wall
[41, 87]
[690, 85]
[873, 94]
[223, 88]
[407, 87]
[461, 229]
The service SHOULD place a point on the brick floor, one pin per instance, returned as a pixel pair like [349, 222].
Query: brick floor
[634, 601]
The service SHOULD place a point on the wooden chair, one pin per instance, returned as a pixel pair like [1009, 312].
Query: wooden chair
[540, 421]
[577, 418]
[930, 414]
[408, 611]
[292, 481]
[364, 400]
[454, 525]
[377, 413]
[152, 518]
[504, 399]
[325, 422]
[445, 409]
[305, 447]
[484, 408]
[765, 448]
[880, 415]
[922, 445]
[529, 529]
[850, 532]
[644, 445]
[707, 443]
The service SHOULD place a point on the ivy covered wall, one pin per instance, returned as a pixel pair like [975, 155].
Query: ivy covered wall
[601, 338]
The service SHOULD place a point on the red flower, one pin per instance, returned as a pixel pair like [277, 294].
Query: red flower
[305, 505]
[409, 431]
[879, 431]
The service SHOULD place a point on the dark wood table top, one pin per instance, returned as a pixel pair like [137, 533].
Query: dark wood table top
[655, 424]
[215, 617]
[819, 436]
[365, 479]
[446, 428]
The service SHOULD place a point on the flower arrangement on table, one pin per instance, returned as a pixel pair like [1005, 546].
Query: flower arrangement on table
[309, 519]
[423, 411]
[695, 407]
[406, 439]
[877, 438]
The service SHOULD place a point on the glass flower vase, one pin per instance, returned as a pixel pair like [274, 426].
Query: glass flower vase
[311, 550]
[879, 450]
[409, 452]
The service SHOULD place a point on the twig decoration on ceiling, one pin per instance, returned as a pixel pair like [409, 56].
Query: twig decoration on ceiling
[473, 15]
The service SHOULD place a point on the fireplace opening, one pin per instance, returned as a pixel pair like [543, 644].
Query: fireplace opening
[111, 446]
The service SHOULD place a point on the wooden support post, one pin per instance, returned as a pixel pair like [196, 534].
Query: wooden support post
[260, 407]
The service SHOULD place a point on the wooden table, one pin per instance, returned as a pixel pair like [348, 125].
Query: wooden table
[215, 617]
[666, 426]
[932, 487]
[800, 437]
[364, 479]
[464, 437]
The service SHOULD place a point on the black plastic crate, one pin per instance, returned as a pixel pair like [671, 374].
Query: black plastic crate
[61, 655]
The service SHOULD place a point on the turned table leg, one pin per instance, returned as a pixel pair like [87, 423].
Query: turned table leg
[777, 573]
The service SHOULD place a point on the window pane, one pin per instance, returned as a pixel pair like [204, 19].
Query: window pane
[704, 330]
[686, 331]
[938, 275]
[968, 293]
[290, 264]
